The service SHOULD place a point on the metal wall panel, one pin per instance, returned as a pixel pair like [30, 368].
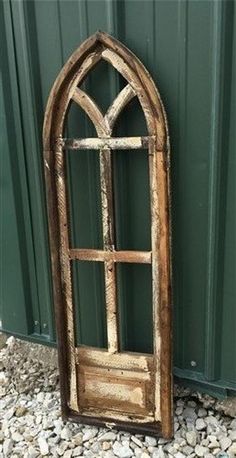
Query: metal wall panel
[189, 48]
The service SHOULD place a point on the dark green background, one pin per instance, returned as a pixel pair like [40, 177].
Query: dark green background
[189, 48]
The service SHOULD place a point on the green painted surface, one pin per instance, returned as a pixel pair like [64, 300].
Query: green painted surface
[189, 48]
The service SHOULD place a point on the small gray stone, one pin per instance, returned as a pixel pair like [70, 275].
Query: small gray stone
[95, 446]
[62, 448]
[232, 435]
[9, 414]
[200, 450]
[40, 397]
[213, 444]
[38, 419]
[137, 452]
[232, 448]
[43, 446]
[122, 451]
[125, 442]
[233, 424]
[77, 451]
[176, 426]
[191, 438]
[187, 450]
[202, 412]
[20, 411]
[192, 404]
[200, 424]
[180, 402]
[137, 441]
[205, 442]
[106, 445]
[150, 441]
[162, 441]
[170, 449]
[179, 410]
[180, 441]
[109, 436]
[152, 449]
[78, 439]
[89, 434]
[67, 454]
[212, 421]
[50, 404]
[32, 453]
[159, 454]
[66, 433]
[190, 414]
[7, 447]
[225, 443]
[109, 454]
[16, 437]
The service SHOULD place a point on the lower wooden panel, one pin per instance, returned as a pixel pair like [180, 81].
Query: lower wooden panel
[116, 390]
[117, 385]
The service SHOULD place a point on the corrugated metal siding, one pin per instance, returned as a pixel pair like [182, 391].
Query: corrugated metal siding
[189, 48]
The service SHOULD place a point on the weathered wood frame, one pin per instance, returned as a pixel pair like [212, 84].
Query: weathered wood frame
[65, 89]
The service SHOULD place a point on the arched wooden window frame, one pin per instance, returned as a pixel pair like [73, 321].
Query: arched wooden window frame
[65, 89]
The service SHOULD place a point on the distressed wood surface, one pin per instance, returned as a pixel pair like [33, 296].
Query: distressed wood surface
[121, 383]
[91, 356]
[118, 420]
[120, 102]
[66, 270]
[130, 425]
[130, 143]
[155, 233]
[79, 367]
[91, 109]
[118, 391]
[140, 257]
[109, 245]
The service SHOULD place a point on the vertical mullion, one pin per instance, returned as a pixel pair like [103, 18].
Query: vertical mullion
[66, 269]
[108, 243]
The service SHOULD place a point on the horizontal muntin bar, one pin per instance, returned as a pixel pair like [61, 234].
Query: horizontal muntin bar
[107, 142]
[139, 257]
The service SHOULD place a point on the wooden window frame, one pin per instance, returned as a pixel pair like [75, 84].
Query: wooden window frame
[65, 89]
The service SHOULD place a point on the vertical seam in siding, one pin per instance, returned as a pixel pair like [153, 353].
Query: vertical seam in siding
[211, 354]
[182, 109]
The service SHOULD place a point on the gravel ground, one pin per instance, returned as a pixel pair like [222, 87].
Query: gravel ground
[30, 423]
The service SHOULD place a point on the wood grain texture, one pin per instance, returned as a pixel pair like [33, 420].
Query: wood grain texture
[140, 257]
[109, 245]
[77, 364]
[66, 270]
[91, 356]
[130, 143]
[119, 384]
[118, 105]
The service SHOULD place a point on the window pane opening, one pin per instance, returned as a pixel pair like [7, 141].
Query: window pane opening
[132, 200]
[134, 286]
[89, 303]
[84, 198]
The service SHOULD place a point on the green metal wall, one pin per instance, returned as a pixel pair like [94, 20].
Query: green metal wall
[189, 48]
